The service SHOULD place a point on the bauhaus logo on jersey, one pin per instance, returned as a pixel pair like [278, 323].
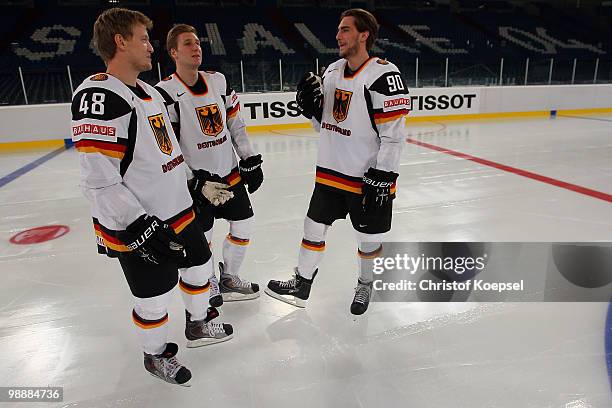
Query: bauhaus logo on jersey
[93, 129]
[392, 103]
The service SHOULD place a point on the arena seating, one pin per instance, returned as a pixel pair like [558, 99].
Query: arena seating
[474, 37]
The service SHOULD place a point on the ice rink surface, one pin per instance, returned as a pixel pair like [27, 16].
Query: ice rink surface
[65, 312]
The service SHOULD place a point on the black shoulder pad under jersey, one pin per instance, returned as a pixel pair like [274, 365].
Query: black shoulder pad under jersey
[98, 103]
[389, 84]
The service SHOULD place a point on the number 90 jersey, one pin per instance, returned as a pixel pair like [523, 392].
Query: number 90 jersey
[130, 160]
[362, 124]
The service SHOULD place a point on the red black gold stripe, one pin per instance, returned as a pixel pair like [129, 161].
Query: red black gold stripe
[341, 181]
[108, 237]
[148, 324]
[232, 112]
[338, 180]
[237, 241]
[115, 150]
[384, 117]
[313, 246]
[193, 289]
[233, 178]
[369, 255]
[109, 244]
[181, 220]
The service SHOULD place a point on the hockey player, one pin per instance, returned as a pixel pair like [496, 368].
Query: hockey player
[205, 113]
[358, 107]
[134, 176]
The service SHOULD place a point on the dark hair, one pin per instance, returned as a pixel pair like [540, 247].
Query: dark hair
[173, 35]
[364, 21]
[116, 21]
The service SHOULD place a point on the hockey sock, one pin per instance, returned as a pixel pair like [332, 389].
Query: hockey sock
[236, 244]
[150, 315]
[194, 287]
[312, 248]
[366, 253]
[369, 247]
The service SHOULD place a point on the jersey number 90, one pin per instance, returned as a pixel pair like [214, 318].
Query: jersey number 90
[395, 83]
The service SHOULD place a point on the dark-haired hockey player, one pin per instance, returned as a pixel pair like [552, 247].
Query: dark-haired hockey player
[358, 107]
[134, 176]
[205, 112]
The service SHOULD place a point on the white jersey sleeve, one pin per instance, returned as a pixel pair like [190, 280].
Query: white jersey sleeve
[389, 106]
[235, 123]
[100, 122]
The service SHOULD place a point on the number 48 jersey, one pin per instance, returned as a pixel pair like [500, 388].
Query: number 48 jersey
[363, 121]
[130, 160]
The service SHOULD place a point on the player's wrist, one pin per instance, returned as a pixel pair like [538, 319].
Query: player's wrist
[377, 175]
[251, 163]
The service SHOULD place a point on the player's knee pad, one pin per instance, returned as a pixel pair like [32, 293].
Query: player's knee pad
[370, 238]
[152, 308]
[314, 231]
[369, 244]
[241, 229]
[197, 275]
[369, 247]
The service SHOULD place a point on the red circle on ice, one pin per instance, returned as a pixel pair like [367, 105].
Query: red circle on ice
[39, 234]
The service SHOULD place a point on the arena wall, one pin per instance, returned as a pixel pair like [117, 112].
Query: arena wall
[49, 124]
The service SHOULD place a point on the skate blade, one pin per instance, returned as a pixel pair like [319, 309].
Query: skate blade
[238, 297]
[207, 342]
[185, 384]
[292, 300]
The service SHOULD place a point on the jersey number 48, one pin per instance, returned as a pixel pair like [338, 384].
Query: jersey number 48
[96, 104]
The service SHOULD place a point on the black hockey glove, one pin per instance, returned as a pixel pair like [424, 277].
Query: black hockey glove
[208, 188]
[377, 189]
[153, 240]
[309, 96]
[251, 173]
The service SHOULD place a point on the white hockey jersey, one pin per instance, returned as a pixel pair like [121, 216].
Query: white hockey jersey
[130, 160]
[207, 122]
[362, 125]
